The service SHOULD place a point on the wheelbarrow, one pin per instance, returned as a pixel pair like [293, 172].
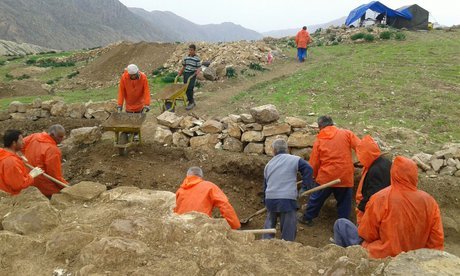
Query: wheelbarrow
[172, 93]
[125, 126]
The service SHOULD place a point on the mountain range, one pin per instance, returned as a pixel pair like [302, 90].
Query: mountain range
[76, 24]
[311, 28]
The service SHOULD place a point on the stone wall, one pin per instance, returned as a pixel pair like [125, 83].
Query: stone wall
[251, 133]
[56, 108]
[443, 162]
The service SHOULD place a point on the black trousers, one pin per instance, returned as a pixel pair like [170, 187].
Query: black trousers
[189, 93]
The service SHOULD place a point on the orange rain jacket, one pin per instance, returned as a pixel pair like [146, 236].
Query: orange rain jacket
[400, 217]
[367, 152]
[135, 93]
[13, 174]
[198, 195]
[331, 156]
[302, 39]
[41, 150]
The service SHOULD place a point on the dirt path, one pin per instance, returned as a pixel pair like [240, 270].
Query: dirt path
[214, 99]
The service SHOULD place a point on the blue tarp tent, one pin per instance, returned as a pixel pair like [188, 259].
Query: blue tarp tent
[377, 7]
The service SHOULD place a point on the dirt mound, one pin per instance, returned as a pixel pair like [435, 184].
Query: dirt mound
[130, 231]
[106, 69]
[18, 88]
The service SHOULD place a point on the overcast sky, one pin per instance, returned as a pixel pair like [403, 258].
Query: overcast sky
[267, 15]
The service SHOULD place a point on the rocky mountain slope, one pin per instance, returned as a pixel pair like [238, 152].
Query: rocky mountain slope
[311, 28]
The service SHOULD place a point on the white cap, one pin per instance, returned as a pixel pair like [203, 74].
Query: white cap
[132, 69]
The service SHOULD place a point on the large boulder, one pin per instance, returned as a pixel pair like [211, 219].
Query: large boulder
[233, 144]
[163, 135]
[67, 245]
[296, 122]
[180, 140]
[37, 218]
[301, 140]
[210, 73]
[85, 190]
[265, 114]
[252, 136]
[59, 109]
[85, 135]
[4, 115]
[423, 262]
[76, 110]
[13, 106]
[205, 141]
[234, 130]
[169, 119]
[100, 115]
[37, 103]
[212, 126]
[254, 148]
[276, 129]
[47, 105]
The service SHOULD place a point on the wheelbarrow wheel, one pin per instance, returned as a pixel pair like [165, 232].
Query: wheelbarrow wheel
[169, 106]
[123, 139]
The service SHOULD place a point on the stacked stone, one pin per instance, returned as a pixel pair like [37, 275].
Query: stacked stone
[55, 108]
[251, 133]
[442, 162]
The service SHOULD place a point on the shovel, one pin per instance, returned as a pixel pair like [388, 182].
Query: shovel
[48, 176]
[261, 211]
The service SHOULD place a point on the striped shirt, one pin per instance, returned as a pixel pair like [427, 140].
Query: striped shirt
[191, 64]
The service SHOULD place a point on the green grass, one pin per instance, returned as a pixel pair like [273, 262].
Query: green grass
[413, 84]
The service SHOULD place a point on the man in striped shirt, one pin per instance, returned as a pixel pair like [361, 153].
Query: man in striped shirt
[191, 66]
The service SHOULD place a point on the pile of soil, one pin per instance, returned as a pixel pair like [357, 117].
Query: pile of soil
[106, 69]
[17, 88]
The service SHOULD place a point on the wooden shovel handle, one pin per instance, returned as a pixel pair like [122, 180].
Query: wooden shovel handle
[324, 186]
[48, 176]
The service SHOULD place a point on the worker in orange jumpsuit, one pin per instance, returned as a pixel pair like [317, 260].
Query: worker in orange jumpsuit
[375, 175]
[398, 218]
[134, 91]
[331, 159]
[13, 174]
[41, 150]
[196, 194]
[302, 39]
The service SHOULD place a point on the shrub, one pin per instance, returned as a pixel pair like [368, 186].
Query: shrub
[385, 35]
[48, 62]
[369, 37]
[319, 43]
[73, 74]
[382, 26]
[400, 36]
[50, 82]
[158, 71]
[23, 77]
[2, 62]
[370, 30]
[335, 43]
[318, 31]
[31, 61]
[256, 67]
[14, 58]
[9, 76]
[328, 31]
[169, 78]
[357, 36]
[230, 73]
[291, 43]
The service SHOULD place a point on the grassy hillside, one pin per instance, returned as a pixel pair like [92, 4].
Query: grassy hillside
[413, 84]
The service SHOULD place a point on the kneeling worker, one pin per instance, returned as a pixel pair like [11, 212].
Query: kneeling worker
[196, 194]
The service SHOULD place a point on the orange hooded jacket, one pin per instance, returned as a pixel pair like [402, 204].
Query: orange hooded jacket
[41, 150]
[198, 195]
[367, 152]
[331, 156]
[135, 93]
[400, 217]
[13, 174]
[302, 39]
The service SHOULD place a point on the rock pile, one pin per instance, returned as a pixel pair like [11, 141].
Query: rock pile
[252, 133]
[443, 162]
[224, 55]
[87, 230]
[55, 108]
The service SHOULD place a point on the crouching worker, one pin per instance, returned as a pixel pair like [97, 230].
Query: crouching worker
[196, 194]
[13, 174]
[280, 187]
[398, 218]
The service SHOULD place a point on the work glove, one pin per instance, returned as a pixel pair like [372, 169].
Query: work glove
[119, 108]
[36, 172]
[146, 109]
